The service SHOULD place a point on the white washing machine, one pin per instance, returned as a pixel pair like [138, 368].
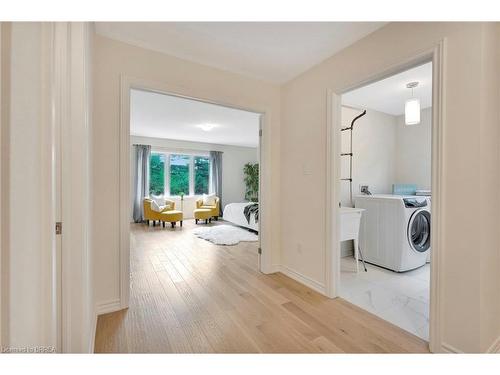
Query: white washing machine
[395, 230]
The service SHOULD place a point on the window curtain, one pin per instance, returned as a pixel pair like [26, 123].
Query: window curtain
[216, 163]
[141, 180]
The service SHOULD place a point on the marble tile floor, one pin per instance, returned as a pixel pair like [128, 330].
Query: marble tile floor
[400, 298]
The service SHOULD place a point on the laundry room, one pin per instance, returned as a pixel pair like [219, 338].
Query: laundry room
[385, 198]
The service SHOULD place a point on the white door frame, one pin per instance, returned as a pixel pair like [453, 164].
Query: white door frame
[436, 54]
[3, 268]
[127, 83]
[74, 310]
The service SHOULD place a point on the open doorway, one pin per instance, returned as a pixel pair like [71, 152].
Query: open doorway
[194, 183]
[385, 198]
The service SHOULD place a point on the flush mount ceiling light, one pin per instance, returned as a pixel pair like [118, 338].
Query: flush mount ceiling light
[412, 107]
[207, 127]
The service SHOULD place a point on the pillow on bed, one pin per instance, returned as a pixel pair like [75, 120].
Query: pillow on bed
[208, 200]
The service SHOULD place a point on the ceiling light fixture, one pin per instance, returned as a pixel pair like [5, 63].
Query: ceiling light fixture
[207, 127]
[412, 107]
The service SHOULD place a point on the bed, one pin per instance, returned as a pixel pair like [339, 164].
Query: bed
[233, 212]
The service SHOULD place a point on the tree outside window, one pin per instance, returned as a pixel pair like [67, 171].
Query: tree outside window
[201, 175]
[157, 174]
[179, 174]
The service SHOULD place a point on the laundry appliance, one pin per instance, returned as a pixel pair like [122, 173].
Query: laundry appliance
[395, 230]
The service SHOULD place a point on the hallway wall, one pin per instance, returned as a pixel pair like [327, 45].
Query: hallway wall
[471, 148]
[113, 60]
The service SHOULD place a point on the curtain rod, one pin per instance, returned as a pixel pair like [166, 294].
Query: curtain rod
[177, 150]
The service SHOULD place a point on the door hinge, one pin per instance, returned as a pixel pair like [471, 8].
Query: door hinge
[59, 227]
[260, 250]
[260, 132]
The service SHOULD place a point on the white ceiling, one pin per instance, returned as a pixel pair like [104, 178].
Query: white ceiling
[389, 95]
[272, 51]
[165, 116]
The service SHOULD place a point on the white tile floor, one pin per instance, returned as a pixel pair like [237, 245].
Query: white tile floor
[400, 298]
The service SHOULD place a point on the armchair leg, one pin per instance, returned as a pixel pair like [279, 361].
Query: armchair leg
[196, 221]
[154, 223]
[181, 223]
[206, 221]
[172, 224]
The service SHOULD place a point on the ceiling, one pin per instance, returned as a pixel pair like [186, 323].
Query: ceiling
[271, 51]
[389, 95]
[165, 116]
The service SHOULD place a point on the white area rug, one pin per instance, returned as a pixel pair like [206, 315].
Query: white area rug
[225, 234]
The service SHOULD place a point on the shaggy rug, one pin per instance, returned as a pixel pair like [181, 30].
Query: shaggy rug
[225, 234]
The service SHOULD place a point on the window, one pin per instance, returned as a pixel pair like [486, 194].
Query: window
[172, 174]
[201, 174]
[179, 174]
[157, 174]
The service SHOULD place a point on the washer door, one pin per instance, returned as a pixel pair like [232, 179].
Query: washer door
[419, 231]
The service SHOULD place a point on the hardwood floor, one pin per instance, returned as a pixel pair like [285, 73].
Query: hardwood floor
[188, 295]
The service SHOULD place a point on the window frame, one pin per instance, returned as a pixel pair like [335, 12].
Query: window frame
[192, 155]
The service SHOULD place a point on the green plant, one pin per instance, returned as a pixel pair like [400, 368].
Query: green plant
[251, 179]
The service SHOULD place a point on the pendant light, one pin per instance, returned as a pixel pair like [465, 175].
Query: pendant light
[412, 107]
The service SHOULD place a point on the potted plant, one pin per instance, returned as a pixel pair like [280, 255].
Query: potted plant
[251, 172]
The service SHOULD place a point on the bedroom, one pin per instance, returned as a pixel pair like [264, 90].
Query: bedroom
[194, 169]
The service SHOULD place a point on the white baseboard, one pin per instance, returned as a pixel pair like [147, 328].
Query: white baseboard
[307, 281]
[108, 307]
[447, 348]
[495, 347]
[93, 333]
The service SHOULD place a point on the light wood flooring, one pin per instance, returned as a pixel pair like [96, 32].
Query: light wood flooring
[188, 295]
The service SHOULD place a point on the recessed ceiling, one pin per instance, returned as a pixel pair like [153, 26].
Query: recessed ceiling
[389, 95]
[171, 117]
[272, 51]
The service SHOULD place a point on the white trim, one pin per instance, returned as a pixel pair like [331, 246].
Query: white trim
[447, 348]
[108, 307]
[3, 287]
[495, 347]
[127, 83]
[73, 110]
[332, 247]
[437, 186]
[93, 333]
[48, 140]
[303, 279]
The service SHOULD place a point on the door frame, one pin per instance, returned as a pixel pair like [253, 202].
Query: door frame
[437, 56]
[126, 84]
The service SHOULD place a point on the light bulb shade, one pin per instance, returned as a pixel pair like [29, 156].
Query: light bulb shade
[412, 112]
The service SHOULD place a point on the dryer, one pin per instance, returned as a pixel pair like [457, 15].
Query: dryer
[395, 231]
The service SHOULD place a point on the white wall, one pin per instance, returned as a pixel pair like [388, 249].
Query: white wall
[113, 60]
[233, 160]
[25, 296]
[413, 151]
[374, 149]
[471, 146]
[386, 152]
[374, 161]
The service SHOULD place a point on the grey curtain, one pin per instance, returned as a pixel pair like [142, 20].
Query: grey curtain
[141, 179]
[216, 162]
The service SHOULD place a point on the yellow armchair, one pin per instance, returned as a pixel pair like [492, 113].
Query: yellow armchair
[214, 210]
[154, 216]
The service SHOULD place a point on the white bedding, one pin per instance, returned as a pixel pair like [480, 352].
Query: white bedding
[233, 212]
